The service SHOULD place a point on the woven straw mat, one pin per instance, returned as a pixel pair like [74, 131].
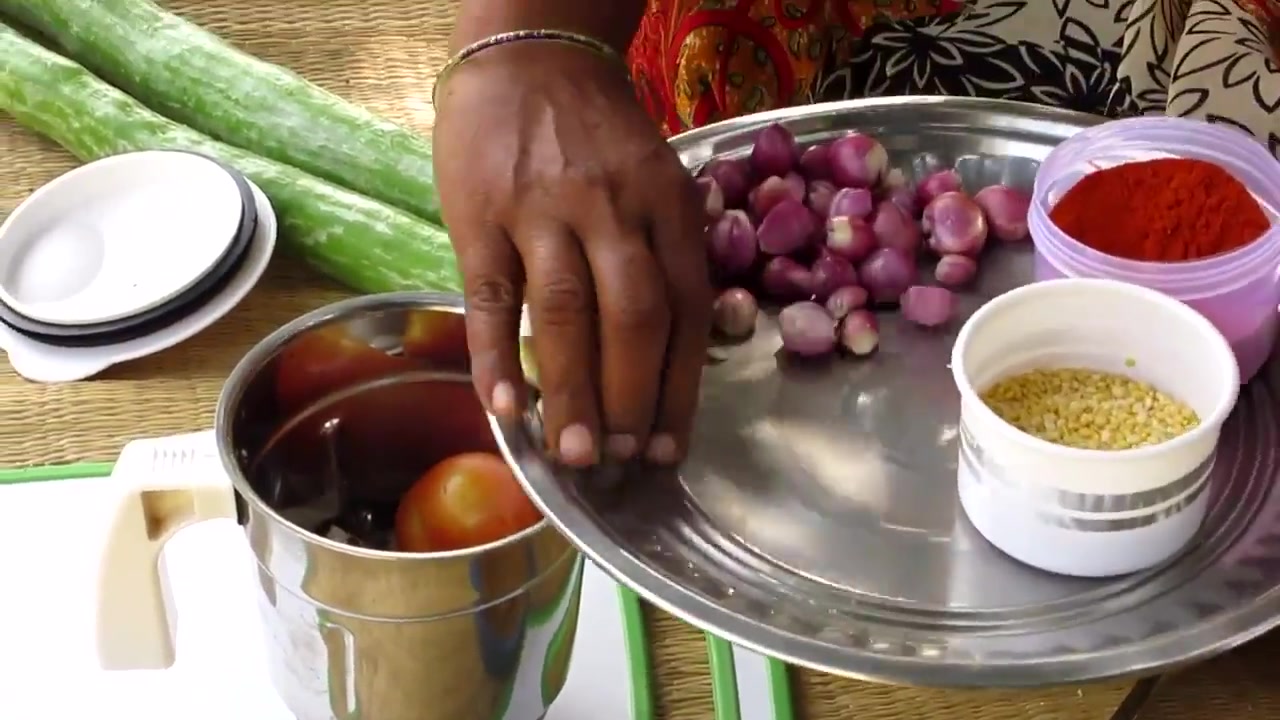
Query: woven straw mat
[383, 54]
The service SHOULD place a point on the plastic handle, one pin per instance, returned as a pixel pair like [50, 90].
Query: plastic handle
[169, 483]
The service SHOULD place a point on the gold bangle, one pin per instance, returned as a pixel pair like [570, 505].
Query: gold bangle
[561, 36]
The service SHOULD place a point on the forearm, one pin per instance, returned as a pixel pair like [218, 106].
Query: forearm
[613, 21]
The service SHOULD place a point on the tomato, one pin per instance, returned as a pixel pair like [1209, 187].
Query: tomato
[439, 338]
[326, 360]
[463, 501]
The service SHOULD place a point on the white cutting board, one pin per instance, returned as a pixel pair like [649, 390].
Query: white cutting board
[51, 532]
[54, 534]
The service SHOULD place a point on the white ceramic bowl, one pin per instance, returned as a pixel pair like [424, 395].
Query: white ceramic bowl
[1089, 513]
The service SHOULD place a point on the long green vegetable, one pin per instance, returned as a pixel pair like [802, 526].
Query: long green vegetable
[190, 75]
[363, 243]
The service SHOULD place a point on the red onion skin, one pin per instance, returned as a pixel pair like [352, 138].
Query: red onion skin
[819, 196]
[852, 202]
[955, 271]
[1005, 209]
[886, 274]
[712, 196]
[895, 229]
[858, 160]
[734, 179]
[775, 152]
[956, 225]
[787, 228]
[734, 313]
[797, 188]
[773, 190]
[845, 300]
[928, 306]
[807, 329]
[937, 183]
[784, 280]
[850, 238]
[815, 162]
[733, 245]
[905, 198]
[829, 273]
[859, 332]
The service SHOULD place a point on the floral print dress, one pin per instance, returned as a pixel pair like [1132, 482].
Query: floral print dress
[698, 61]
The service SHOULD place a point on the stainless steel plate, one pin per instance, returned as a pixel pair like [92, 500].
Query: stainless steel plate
[817, 519]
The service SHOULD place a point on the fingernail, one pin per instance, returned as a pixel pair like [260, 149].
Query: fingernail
[662, 450]
[576, 447]
[621, 447]
[503, 401]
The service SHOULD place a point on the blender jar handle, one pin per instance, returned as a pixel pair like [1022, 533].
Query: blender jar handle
[168, 483]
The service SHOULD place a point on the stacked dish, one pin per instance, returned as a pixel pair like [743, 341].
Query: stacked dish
[126, 256]
[1238, 291]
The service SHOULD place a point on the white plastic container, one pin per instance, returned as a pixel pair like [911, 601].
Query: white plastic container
[1089, 513]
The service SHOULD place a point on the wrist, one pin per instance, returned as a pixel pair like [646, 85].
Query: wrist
[611, 21]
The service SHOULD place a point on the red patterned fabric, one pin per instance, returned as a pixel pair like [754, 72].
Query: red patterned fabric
[699, 61]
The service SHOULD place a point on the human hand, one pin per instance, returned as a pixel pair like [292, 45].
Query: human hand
[559, 190]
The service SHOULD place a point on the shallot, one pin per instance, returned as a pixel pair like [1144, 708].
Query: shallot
[955, 271]
[774, 152]
[845, 300]
[956, 225]
[927, 305]
[787, 228]
[734, 313]
[895, 179]
[1006, 211]
[895, 229]
[733, 177]
[937, 183]
[858, 160]
[860, 332]
[785, 279]
[905, 198]
[852, 202]
[850, 238]
[840, 232]
[831, 272]
[815, 162]
[807, 329]
[819, 197]
[774, 190]
[733, 244]
[712, 196]
[886, 274]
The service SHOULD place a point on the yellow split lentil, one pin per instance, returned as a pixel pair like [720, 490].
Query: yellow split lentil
[1089, 409]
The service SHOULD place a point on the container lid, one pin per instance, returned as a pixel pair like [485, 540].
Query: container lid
[38, 360]
[118, 237]
[155, 319]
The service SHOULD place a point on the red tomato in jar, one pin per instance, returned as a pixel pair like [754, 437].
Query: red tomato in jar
[326, 360]
[438, 337]
[463, 501]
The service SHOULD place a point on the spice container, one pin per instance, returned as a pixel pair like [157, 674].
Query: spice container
[1083, 512]
[1238, 290]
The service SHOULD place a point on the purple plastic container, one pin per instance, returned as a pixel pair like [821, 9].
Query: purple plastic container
[1239, 291]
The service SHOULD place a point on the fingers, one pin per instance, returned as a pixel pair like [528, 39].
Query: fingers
[680, 246]
[562, 311]
[492, 280]
[634, 321]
